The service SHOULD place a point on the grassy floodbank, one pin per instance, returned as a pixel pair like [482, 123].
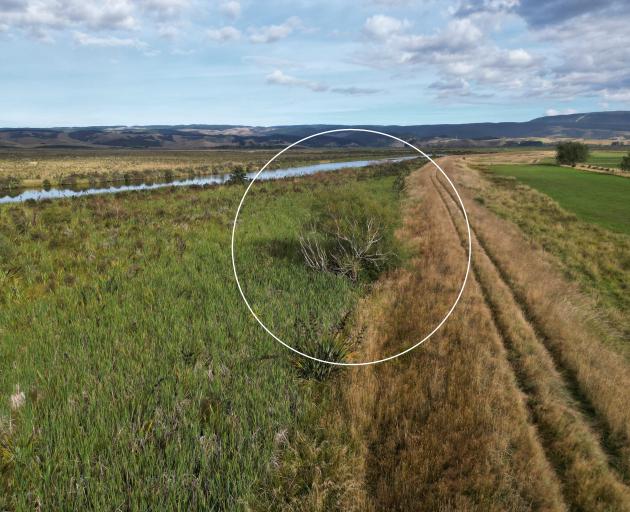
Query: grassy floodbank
[143, 381]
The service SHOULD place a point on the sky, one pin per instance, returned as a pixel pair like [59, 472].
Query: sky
[275, 62]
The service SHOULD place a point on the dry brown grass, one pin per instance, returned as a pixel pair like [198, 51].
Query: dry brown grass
[565, 321]
[501, 157]
[30, 168]
[445, 427]
[316, 471]
[572, 445]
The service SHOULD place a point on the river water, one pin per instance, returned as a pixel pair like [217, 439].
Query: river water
[215, 179]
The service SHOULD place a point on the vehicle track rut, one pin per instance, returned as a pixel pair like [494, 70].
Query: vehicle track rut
[589, 469]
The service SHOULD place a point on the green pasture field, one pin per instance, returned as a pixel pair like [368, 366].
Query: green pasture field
[598, 198]
[607, 158]
[147, 384]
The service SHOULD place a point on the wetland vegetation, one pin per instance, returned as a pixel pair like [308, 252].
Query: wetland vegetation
[139, 380]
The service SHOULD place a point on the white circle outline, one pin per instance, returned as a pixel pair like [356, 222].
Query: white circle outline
[365, 363]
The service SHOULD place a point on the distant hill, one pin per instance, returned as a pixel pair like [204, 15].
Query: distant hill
[594, 125]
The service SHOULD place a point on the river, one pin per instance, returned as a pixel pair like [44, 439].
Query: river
[214, 179]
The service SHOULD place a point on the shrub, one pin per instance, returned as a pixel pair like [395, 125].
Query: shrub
[350, 236]
[570, 153]
[9, 182]
[625, 163]
[238, 176]
[328, 344]
[169, 176]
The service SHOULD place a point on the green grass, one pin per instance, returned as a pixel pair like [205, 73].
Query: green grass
[595, 257]
[607, 158]
[148, 385]
[597, 198]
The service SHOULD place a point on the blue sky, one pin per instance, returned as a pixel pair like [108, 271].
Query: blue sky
[134, 62]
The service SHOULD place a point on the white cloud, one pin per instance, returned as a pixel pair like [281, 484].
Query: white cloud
[168, 30]
[381, 27]
[457, 36]
[541, 13]
[231, 9]
[272, 33]
[552, 49]
[587, 45]
[393, 3]
[182, 51]
[223, 34]
[354, 91]
[164, 9]
[447, 88]
[278, 77]
[468, 63]
[40, 18]
[519, 57]
[619, 95]
[107, 42]
[554, 112]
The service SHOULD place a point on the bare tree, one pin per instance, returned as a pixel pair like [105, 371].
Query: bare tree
[348, 246]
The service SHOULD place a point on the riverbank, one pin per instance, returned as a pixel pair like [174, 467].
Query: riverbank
[88, 168]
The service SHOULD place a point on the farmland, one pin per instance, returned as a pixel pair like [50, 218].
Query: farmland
[601, 199]
[607, 158]
[586, 251]
[146, 384]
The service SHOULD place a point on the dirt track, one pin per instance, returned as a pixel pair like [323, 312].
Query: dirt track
[514, 404]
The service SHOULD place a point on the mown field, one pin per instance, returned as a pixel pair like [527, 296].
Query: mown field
[602, 199]
[132, 377]
[607, 158]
